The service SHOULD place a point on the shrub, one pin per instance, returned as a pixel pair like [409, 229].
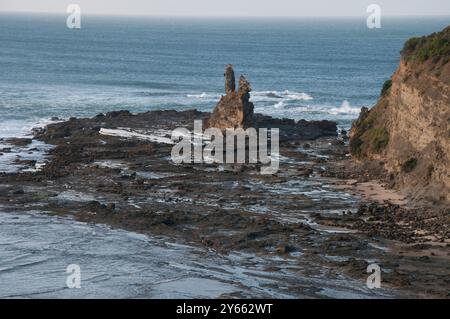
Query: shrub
[435, 46]
[386, 87]
[368, 137]
[411, 44]
[430, 170]
[409, 165]
[379, 139]
[356, 146]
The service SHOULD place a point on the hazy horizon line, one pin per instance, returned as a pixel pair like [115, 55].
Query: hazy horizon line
[216, 16]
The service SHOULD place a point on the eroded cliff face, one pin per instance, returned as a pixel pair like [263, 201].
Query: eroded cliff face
[408, 130]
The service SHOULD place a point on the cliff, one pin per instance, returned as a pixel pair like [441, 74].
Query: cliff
[408, 130]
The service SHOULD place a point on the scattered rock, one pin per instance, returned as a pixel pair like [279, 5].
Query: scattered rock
[19, 141]
[18, 191]
[30, 163]
[337, 142]
[284, 249]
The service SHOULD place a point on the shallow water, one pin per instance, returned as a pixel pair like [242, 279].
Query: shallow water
[36, 250]
[36, 151]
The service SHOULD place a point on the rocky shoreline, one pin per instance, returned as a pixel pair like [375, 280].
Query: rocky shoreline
[322, 211]
[307, 212]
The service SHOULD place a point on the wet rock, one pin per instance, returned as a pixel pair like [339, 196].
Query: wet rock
[128, 175]
[18, 191]
[187, 205]
[344, 135]
[355, 266]
[403, 224]
[30, 163]
[285, 249]
[94, 205]
[19, 141]
[337, 142]
[123, 113]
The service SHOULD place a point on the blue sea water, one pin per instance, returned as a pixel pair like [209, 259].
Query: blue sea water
[312, 68]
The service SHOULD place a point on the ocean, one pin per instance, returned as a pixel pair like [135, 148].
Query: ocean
[311, 68]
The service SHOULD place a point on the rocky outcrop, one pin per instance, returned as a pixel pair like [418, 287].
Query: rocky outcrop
[230, 81]
[234, 109]
[408, 130]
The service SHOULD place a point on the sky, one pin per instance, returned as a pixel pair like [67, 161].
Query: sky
[233, 7]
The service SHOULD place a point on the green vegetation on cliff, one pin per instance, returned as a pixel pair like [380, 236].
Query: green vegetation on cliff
[368, 137]
[434, 46]
[386, 87]
[409, 165]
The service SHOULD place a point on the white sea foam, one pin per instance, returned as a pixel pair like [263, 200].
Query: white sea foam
[259, 96]
[204, 96]
[345, 108]
[297, 96]
[128, 133]
[22, 128]
[279, 105]
[286, 109]
[36, 150]
[284, 95]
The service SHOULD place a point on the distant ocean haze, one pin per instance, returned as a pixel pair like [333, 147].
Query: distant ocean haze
[311, 68]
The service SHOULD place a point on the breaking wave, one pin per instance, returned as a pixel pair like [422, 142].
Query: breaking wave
[345, 108]
[288, 95]
[280, 105]
[282, 108]
[203, 96]
[261, 96]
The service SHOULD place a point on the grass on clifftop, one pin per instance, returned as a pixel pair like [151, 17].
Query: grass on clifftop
[435, 46]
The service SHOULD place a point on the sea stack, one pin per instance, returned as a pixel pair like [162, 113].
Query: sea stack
[230, 81]
[234, 109]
